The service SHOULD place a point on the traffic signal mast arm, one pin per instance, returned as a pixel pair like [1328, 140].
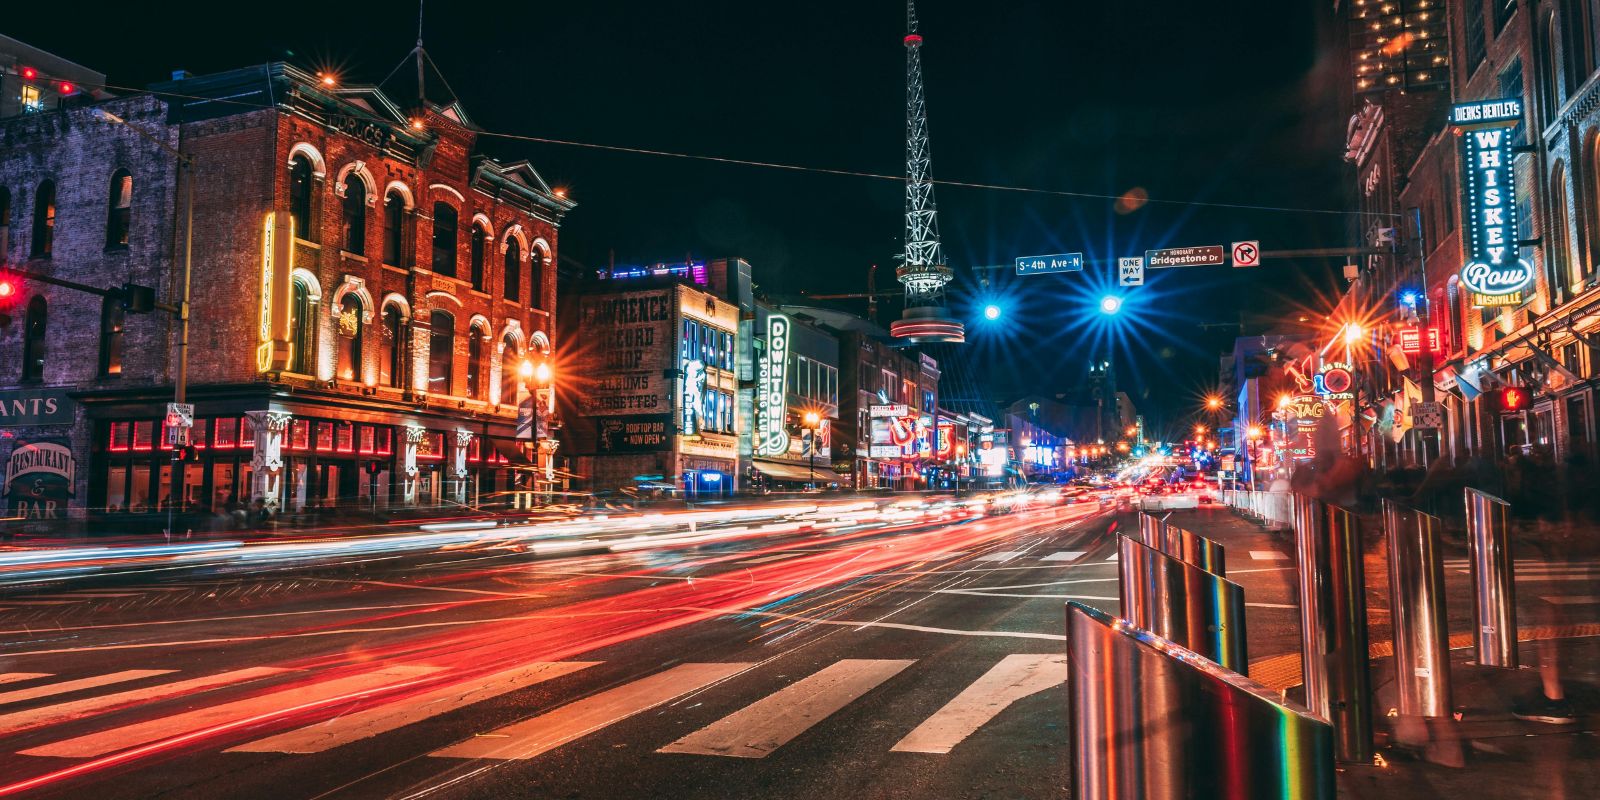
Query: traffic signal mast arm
[1313, 252]
[125, 291]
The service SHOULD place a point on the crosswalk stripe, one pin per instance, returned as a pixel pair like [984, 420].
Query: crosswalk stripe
[773, 721]
[1112, 557]
[16, 677]
[370, 722]
[546, 732]
[77, 709]
[1539, 577]
[1572, 599]
[98, 744]
[1065, 555]
[1002, 556]
[63, 687]
[1268, 555]
[1015, 677]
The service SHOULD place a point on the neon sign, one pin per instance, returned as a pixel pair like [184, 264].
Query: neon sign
[277, 260]
[772, 373]
[1495, 272]
[1411, 341]
[1486, 112]
[694, 395]
[1334, 381]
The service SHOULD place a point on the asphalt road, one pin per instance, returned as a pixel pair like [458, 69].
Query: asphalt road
[910, 658]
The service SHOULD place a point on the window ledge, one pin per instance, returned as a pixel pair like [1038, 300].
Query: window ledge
[479, 293]
[117, 248]
[307, 243]
[352, 256]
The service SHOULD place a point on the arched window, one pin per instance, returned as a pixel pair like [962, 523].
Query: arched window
[441, 353]
[355, 215]
[513, 269]
[1550, 94]
[444, 239]
[302, 328]
[1562, 272]
[119, 209]
[112, 320]
[392, 353]
[476, 252]
[509, 361]
[1590, 191]
[352, 329]
[300, 195]
[33, 339]
[477, 364]
[394, 229]
[536, 266]
[44, 220]
[1577, 42]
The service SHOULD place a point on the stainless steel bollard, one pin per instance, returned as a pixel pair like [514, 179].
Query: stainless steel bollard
[1417, 607]
[1333, 624]
[1494, 596]
[1182, 603]
[1195, 549]
[1149, 529]
[1150, 721]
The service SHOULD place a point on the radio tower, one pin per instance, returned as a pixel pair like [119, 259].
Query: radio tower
[923, 272]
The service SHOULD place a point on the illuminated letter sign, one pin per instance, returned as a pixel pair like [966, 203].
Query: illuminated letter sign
[771, 388]
[1495, 272]
[272, 341]
[694, 395]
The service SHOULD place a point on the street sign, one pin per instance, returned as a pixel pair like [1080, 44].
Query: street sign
[525, 417]
[1411, 341]
[1246, 254]
[1210, 255]
[180, 415]
[1427, 416]
[1044, 265]
[1130, 271]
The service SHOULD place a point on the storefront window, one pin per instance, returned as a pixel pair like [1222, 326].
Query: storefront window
[144, 434]
[227, 430]
[121, 436]
[117, 489]
[343, 433]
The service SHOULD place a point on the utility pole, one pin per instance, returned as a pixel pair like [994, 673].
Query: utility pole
[1430, 436]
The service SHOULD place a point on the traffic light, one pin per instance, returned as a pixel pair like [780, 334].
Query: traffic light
[1511, 399]
[10, 291]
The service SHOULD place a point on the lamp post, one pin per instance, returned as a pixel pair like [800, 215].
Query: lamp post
[540, 375]
[813, 422]
[961, 457]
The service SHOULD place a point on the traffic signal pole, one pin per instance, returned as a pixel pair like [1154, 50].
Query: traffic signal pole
[1430, 436]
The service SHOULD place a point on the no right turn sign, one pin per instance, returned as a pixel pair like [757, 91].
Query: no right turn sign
[1246, 254]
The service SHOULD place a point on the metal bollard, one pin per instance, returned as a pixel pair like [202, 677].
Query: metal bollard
[1182, 603]
[1333, 624]
[1150, 529]
[1149, 721]
[1195, 549]
[1416, 603]
[1494, 597]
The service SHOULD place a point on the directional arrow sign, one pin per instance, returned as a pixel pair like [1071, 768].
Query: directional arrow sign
[1246, 254]
[1130, 271]
[1041, 265]
[1211, 255]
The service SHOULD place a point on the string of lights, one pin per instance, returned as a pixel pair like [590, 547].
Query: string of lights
[852, 173]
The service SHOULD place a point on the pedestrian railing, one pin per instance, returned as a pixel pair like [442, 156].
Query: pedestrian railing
[1275, 510]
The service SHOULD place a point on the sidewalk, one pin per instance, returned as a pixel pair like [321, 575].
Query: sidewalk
[1499, 755]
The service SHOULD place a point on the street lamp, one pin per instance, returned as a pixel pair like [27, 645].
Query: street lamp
[540, 374]
[961, 457]
[813, 422]
[1213, 403]
[1110, 304]
[991, 312]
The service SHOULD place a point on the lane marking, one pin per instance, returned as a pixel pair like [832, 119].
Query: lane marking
[16, 677]
[454, 589]
[1015, 677]
[77, 709]
[41, 602]
[532, 737]
[1572, 599]
[63, 687]
[1056, 637]
[399, 713]
[1112, 557]
[1268, 555]
[95, 594]
[1065, 555]
[758, 729]
[128, 736]
[1001, 556]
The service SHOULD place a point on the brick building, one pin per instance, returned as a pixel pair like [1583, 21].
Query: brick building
[1545, 336]
[366, 290]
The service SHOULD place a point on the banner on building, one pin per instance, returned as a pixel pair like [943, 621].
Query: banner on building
[635, 434]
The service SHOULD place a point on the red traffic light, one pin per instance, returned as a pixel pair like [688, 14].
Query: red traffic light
[29, 73]
[8, 289]
[1512, 399]
[67, 87]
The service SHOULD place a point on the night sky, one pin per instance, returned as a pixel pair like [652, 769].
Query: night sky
[1222, 102]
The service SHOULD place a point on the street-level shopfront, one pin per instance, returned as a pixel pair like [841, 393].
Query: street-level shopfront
[323, 459]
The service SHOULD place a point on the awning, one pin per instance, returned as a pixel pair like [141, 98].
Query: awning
[793, 473]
